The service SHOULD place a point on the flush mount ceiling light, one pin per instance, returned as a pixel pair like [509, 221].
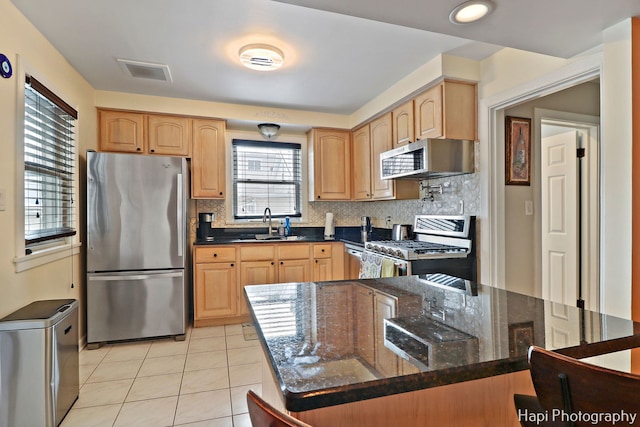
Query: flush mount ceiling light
[268, 130]
[470, 11]
[262, 57]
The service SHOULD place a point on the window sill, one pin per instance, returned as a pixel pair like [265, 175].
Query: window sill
[45, 256]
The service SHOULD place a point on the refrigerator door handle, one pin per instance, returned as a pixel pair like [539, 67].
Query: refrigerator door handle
[180, 212]
[119, 277]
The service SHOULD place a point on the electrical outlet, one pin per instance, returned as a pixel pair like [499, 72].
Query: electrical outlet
[528, 207]
[3, 199]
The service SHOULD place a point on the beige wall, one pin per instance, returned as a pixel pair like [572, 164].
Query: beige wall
[20, 39]
[519, 228]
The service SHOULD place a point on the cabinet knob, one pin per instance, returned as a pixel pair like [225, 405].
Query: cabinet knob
[322, 250]
[221, 193]
[215, 255]
[316, 261]
[153, 151]
[138, 149]
[318, 197]
[232, 264]
[272, 262]
[281, 262]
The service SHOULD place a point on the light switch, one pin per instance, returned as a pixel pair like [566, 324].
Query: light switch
[528, 207]
[3, 199]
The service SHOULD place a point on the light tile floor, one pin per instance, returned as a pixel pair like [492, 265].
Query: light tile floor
[199, 382]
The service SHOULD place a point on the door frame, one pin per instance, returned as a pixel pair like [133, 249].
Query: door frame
[491, 129]
[590, 202]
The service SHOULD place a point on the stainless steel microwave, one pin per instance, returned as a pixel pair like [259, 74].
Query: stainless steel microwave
[430, 158]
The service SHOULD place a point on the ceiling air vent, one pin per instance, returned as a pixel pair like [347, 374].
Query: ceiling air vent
[145, 70]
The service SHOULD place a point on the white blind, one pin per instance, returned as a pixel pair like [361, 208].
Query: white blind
[49, 164]
[266, 174]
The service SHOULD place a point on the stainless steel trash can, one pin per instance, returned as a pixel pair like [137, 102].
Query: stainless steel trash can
[39, 377]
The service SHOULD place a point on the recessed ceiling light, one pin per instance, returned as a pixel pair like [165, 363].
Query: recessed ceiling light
[470, 11]
[262, 57]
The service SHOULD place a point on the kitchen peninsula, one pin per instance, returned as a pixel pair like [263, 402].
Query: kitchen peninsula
[415, 350]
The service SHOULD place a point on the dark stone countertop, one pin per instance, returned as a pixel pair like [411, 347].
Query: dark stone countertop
[237, 235]
[473, 332]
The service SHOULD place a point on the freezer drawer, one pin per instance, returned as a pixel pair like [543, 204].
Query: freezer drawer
[139, 304]
[39, 372]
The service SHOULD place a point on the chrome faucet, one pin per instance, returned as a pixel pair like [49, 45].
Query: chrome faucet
[264, 219]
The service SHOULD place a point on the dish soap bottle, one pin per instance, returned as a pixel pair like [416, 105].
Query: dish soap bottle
[287, 226]
[281, 228]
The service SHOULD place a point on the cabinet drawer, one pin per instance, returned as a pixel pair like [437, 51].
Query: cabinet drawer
[257, 252]
[293, 251]
[322, 251]
[215, 254]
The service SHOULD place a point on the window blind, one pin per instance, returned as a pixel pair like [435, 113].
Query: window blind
[49, 164]
[266, 174]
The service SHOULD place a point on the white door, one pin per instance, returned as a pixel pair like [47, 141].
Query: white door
[559, 212]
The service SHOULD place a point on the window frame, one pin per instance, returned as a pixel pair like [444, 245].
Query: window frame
[300, 183]
[53, 250]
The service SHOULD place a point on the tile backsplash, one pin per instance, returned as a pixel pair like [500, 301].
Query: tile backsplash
[460, 194]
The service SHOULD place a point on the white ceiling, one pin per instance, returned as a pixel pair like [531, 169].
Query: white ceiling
[336, 59]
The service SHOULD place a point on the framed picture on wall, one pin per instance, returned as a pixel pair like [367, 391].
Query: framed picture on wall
[520, 338]
[517, 151]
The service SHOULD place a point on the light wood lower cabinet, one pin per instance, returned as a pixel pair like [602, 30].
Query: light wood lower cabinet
[222, 271]
[216, 291]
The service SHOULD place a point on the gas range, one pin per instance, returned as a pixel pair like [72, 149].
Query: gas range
[414, 249]
[436, 236]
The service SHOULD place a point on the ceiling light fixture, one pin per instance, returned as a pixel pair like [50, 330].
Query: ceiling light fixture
[269, 130]
[470, 11]
[262, 57]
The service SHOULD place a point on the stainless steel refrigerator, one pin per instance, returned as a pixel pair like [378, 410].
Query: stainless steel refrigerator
[136, 247]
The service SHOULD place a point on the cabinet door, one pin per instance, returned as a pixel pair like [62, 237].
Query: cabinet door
[361, 164]
[380, 142]
[332, 164]
[322, 269]
[403, 126]
[215, 290]
[208, 160]
[255, 273]
[385, 307]
[428, 113]
[334, 319]
[169, 135]
[294, 270]
[121, 132]
[363, 318]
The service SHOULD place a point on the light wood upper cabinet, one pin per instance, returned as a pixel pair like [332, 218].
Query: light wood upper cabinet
[403, 124]
[361, 163]
[144, 133]
[381, 141]
[208, 178]
[447, 110]
[169, 135]
[121, 131]
[330, 164]
[369, 141]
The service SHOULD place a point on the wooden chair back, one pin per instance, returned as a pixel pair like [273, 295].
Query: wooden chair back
[570, 386]
[262, 414]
